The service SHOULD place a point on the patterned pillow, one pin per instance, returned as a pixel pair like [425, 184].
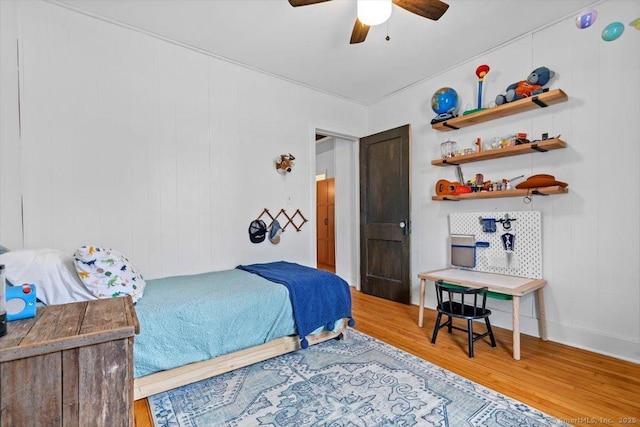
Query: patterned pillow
[108, 273]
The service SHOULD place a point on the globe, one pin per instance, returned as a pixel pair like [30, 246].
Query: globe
[444, 100]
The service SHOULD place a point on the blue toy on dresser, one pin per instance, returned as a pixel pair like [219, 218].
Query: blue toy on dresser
[21, 302]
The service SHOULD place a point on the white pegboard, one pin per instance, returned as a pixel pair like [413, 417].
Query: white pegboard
[526, 258]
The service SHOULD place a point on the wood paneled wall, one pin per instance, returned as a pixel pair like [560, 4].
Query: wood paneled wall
[155, 149]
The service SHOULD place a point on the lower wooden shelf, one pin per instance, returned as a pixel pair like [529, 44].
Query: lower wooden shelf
[543, 191]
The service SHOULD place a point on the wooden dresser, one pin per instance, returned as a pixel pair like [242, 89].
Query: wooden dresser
[71, 365]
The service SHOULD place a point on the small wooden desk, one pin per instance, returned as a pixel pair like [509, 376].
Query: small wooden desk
[509, 285]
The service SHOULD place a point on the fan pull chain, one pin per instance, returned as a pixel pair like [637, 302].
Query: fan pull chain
[387, 38]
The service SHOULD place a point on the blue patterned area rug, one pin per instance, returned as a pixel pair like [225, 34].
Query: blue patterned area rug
[359, 381]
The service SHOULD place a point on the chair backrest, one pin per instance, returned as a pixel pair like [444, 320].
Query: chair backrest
[457, 297]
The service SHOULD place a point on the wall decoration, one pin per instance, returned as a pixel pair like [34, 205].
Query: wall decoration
[297, 220]
[284, 163]
[586, 19]
[612, 31]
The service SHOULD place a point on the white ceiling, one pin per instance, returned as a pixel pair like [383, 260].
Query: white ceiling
[310, 44]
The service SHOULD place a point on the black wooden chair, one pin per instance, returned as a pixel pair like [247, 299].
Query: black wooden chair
[472, 309]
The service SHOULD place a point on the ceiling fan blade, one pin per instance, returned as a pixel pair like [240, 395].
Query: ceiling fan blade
[430, 9]
[359, 32]
[296, 3]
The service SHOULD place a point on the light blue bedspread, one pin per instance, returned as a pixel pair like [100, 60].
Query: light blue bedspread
[187, 319]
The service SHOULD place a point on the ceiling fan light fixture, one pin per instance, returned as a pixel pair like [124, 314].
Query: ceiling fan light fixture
[374, 12]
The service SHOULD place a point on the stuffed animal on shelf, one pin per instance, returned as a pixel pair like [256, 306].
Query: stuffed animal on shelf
[284, 163]
[533, 85]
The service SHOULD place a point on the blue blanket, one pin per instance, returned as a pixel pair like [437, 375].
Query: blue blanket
[318, 297]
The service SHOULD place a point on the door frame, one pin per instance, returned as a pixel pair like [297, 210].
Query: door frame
[351, 136]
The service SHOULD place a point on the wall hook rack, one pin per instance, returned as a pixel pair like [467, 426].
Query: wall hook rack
[297, 220]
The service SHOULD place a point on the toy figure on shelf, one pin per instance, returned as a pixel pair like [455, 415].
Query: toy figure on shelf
[533, 85]
[481, 71]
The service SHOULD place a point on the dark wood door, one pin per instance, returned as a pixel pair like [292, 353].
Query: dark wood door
[385, 223]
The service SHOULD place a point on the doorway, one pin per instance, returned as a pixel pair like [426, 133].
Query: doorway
[336, 158]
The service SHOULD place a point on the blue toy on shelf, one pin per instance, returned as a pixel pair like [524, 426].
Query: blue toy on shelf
[444, 103]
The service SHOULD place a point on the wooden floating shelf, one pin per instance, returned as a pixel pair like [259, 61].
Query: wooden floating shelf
[540, 146]
[525, 104]
[543, 191]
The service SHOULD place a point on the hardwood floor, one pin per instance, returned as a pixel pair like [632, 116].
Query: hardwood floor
[578, 386]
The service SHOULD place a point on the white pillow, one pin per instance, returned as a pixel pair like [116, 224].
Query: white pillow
[51, 271]
[108, 273]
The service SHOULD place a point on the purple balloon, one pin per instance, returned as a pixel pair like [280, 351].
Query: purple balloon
[586, 19]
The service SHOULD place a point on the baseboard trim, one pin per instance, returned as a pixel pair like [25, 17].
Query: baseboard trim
[617, 347]
[607, 345]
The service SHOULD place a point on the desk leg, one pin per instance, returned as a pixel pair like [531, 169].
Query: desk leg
[423, 283]
[542, 317]
[516, 327]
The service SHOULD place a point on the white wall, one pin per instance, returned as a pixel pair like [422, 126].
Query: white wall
[10, 194]
[142, 145]
[591, 236]
[325, 162]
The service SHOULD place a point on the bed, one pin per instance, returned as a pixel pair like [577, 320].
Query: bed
[227, 320]
[194, 327]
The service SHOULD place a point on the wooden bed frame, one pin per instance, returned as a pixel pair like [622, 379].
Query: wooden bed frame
[187, 374]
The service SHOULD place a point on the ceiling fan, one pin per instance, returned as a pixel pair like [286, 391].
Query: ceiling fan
[430, 9]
